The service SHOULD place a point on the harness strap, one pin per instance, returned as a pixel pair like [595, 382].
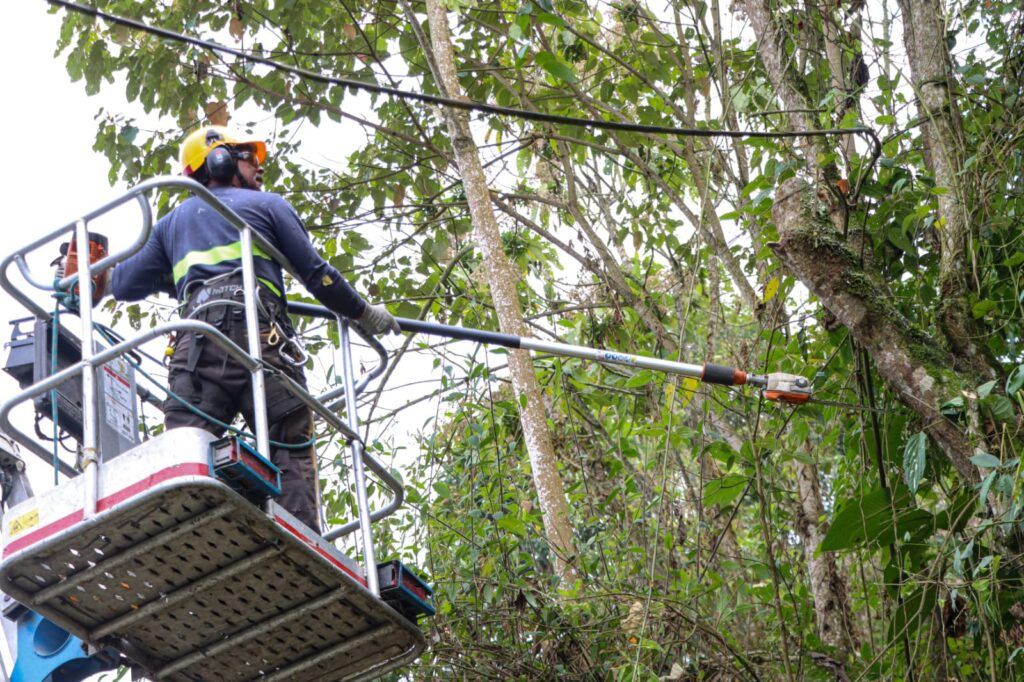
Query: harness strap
[195, 350]
[225, 293]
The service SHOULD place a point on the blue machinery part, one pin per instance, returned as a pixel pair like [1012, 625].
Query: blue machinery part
[48, 653]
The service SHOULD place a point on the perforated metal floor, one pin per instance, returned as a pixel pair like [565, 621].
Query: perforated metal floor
[193, 583]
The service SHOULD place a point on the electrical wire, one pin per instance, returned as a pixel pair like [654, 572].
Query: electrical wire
[466, 105]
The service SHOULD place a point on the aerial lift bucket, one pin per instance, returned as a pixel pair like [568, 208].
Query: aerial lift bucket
[163, 557]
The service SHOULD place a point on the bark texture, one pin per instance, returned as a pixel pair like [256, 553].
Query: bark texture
[503, 278]
[770, 28]
[908, 360]
[924, 35]
[828, 586]
[844, 72]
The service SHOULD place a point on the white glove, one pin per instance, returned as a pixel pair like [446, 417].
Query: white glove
[377, 320]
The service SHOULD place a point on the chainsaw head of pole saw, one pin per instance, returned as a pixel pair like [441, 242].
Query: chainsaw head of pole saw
[791, 389]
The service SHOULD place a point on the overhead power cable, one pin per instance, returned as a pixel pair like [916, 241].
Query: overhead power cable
[458, 103]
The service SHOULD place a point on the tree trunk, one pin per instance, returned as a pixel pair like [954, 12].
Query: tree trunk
[503, 277]
[828, 586]
[843, 81]
[772, 35]
[916, 368]
[924, 35]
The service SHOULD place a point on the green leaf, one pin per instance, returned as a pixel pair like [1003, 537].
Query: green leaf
[128, 134]
[986, 485]
[951, 408]
[870, 520]
[722, 491]
[442, 490]
[552, 19]
[771, 289]
[722, 452]
[1016, 259]
[513, 525]
[985, 460]
[914, 460]
[999, 408]
[982, 308]
[1015, 381]
[899, 239]
[912, 612]
[641, 378]
[556, 67]
[858, 520]
[986, 388]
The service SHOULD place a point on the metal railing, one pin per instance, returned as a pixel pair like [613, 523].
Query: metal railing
[251, 360]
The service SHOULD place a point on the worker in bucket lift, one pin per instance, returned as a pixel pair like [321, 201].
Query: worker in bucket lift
[199, 251]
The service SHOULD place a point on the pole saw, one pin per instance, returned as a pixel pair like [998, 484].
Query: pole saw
[780, 387]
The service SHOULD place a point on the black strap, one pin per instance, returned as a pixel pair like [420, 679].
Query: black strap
[195, 350]
[271, 309]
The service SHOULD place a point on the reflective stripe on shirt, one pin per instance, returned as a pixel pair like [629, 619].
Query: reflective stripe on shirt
[213, 256]
[270, 285]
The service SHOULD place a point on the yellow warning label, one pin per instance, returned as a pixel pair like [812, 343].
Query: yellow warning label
[22, 523]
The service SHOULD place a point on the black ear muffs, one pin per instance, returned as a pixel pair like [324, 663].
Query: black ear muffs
[221, 165]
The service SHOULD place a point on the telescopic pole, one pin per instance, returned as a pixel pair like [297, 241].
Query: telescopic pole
[778, 386]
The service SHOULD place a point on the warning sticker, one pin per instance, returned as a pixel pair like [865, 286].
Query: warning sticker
[20, 524]
[117, 392]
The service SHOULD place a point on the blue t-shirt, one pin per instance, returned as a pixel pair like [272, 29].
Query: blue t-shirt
[193, 243]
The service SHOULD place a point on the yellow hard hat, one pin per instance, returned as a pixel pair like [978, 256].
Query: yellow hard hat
[199, 143]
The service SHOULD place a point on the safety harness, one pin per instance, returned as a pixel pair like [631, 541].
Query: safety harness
[219, 301]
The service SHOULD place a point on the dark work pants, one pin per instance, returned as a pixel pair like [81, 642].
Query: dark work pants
[222, 388]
